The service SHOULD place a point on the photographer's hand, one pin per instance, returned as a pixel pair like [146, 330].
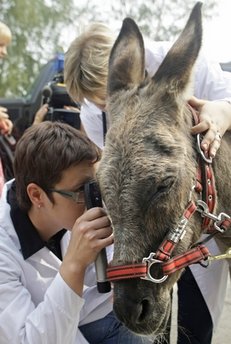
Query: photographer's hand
[6, 124]
[40, 114]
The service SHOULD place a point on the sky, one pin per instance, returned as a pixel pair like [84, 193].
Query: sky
[217, 33]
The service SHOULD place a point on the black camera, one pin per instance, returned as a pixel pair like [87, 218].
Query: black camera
[56, 96]
[93, 199]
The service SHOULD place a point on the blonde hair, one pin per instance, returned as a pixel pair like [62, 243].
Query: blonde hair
[86, 64]
[5, 33]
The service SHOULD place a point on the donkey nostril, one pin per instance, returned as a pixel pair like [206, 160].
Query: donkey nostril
[144, 310]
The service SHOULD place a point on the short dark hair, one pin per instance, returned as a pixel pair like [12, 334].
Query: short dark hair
[44, 151]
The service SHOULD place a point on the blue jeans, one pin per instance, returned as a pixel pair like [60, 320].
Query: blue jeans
[109, 330]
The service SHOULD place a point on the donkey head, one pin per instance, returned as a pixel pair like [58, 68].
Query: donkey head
[148, 165]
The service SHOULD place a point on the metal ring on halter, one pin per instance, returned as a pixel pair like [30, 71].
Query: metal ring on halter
[150, 261]
[208, 160]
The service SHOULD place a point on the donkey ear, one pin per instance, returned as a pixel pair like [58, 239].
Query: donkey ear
[176, 68]
[126, 63]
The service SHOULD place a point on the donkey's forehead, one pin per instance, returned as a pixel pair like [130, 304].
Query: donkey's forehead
[133, 154]
[143, 104]
[143, 130]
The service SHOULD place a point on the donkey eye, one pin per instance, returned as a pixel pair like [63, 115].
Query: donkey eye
[163, 188]
[165, 185]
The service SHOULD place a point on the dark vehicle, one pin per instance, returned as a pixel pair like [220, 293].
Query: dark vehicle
[22, 110]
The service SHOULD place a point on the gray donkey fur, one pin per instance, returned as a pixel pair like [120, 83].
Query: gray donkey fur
[149, 165]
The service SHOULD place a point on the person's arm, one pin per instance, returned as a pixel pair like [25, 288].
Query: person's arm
[213, 86]
[55, 319]
[215, 120]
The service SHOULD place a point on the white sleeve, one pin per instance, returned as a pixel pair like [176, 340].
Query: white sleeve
[154, 55]
[54, 320]
[211, 82]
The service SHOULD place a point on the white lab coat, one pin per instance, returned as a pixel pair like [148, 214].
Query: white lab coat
[210, 83]
[36, 305]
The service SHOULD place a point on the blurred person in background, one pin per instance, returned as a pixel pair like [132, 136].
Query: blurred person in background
[5, 123]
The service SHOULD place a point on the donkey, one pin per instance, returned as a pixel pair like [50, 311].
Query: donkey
[148, 170]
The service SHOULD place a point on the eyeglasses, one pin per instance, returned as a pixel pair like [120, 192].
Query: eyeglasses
[77, 196]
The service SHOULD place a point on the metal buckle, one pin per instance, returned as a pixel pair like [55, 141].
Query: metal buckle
[177, 234]
[203, 209]
[208, 160]
[150, 260]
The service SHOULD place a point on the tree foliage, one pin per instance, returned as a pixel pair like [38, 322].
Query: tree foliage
[160, 20]
[38, 26]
